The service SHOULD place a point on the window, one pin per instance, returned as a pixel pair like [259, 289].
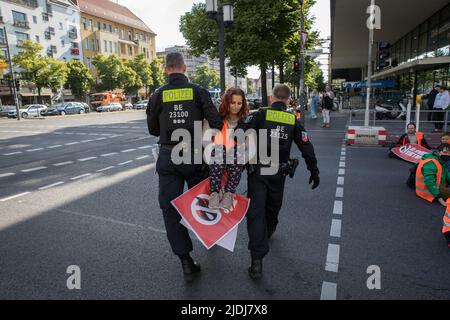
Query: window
[19, 16]
[93, 44]
[2, 37]
[110, 28]
[86, 44]
[34, 19]
[37, 39]
[63, 43]
[84, 23]
[116, 47]
[130, 50]
[130, 36]
[22, 36]
[105, 48]
[122, 34]
[61, 26]
[88, 62]
[116, 31]
[99, 26]
[110, 46]
[104, 26]
[91, 25]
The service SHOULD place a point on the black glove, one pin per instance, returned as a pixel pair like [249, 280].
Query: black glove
[314, 177]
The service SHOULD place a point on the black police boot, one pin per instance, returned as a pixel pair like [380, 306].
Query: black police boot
[255, 270]
[190, 268]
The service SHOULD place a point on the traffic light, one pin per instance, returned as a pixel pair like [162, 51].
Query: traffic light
[296, 65]
[17, 84]
[383, 55]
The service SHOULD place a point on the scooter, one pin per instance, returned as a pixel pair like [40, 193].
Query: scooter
[390, 110]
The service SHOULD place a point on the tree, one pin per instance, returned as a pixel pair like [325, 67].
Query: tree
[56, 73]
[79, 79]
[263, 32]
[157, 74]
[143, 71]
[108, 71]
[205, 76]
[249, 86]
[34, 67]
[129, 81]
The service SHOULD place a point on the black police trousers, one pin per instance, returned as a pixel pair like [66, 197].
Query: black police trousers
[266, 198]
[172, 179]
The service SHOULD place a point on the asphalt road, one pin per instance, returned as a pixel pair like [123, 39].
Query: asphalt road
[82, 190]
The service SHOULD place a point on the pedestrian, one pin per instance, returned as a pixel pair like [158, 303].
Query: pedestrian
[315, 99]
[440, 105]
[178, 105]
[266, 191]
[432, 178]
[234, 111]
[327, 106]
[430, 100]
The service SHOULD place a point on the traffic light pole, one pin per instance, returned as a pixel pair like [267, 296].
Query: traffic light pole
[369, 74]
[13, 80]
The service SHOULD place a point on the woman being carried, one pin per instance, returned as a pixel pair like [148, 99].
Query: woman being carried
[233, 110]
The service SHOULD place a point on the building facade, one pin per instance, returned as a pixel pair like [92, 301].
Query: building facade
[55, 24]
[109, 28]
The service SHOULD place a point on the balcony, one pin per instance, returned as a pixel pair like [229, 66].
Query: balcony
[21, 24]
[48, 36]
[51, 31]
[73, 34]
[26, 3]
[75, 51]
[45, 16]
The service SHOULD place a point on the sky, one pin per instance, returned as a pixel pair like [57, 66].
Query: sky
[163, 17]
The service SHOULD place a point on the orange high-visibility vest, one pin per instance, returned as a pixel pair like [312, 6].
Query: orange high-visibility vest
[446, 219]
[223, 138]
[421, 189]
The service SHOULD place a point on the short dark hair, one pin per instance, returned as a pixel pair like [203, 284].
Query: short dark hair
[446, 134]
[443, 146]
[174, 60]
[282, 92]
[411, 124]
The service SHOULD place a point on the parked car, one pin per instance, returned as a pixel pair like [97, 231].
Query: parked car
[141, 105]
[4, 110]
[127, 105]
[115, 106]
[254, 103]
[87, 109]
[65, 108]
[105, 108]
[31, 110]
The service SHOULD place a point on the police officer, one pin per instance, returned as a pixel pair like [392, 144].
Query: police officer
[266, 191]
[178, 105]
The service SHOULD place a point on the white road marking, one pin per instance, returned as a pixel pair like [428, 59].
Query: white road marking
[87, 159]
[332, 264]
[340, 181]
[98, 139]
[37, 149]
[12, 153]
[52, 185]
[15, 196]
[82, 176]
[336, 225]
[145, 147]
[143, 157]
[124, 163]
[55, 146]
[341, 172]
[339, 192]
[108, 154]
[128, 150]
[337, 209]
[342, 164]
[71, 143]
[104, 169]
[86, 141]
[7, 174]
[328, 291]
[63, 163]
[33, 169]
[342, 159]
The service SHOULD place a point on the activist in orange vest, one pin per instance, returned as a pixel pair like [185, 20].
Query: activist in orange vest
[432, 176]
[234, 111]
[413, 137]
[446, 224]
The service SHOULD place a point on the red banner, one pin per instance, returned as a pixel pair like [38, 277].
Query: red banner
[410, 152]
[209, 225]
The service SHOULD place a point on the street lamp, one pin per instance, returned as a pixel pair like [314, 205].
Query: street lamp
[224, 16]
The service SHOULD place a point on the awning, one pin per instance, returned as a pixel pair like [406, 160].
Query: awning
[379, 84]
[421, 64]
[29, 94]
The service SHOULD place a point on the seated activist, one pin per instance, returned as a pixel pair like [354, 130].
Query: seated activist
[410, 137]
[432, 178]
[233, 111]
[445, 138]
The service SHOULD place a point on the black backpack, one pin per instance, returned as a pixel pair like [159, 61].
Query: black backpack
[411, 182]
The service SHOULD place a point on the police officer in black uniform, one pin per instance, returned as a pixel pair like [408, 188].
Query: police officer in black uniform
[177, 105]
[266, 191]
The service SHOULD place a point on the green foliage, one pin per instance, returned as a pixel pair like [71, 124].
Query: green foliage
[143, 70]
[79, 79]
[157, 74]
[206, 77]
[109, 70]
[129, 80]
